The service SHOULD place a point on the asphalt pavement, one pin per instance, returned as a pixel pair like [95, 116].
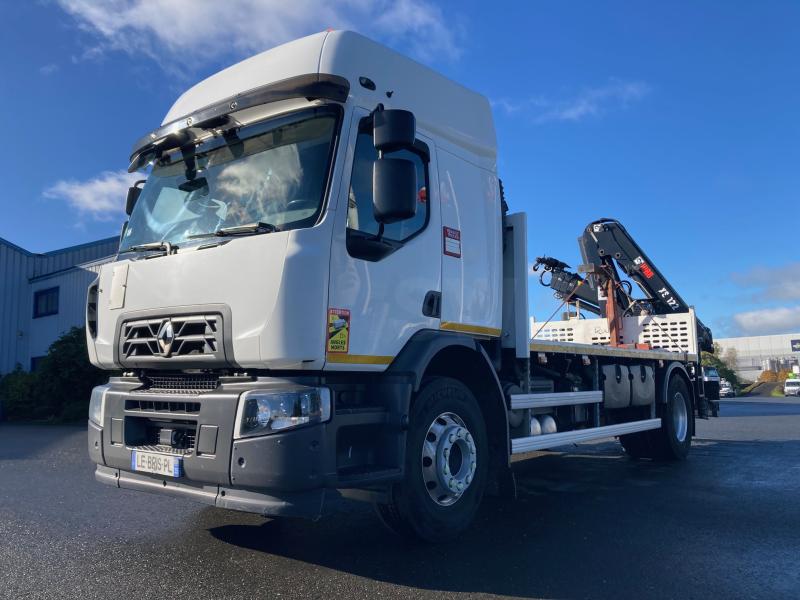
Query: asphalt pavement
[589, 523]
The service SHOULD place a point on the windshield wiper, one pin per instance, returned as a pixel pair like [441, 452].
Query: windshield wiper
[166, 247]
[248, 229]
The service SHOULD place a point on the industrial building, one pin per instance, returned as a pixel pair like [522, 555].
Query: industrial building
[44, 295]
[755, 354]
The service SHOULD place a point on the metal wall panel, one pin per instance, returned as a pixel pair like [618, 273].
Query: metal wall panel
[753, 351]
[21, 274]
[72, 285]
[15, 266]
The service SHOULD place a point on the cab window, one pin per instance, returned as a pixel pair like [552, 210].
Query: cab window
[360, 218]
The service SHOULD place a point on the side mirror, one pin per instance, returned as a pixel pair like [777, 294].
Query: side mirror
[394, 190]
[133, 196]
[393, 130]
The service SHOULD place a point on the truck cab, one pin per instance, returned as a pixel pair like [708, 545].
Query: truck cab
[320, 293]
[257, 291]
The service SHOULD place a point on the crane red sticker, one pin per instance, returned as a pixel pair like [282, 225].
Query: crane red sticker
[338, 330]
[452, 242]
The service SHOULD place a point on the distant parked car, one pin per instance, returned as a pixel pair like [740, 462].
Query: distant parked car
[791, 387]
[726, 389]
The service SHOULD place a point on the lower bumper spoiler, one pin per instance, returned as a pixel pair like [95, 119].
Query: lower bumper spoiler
[308, 504]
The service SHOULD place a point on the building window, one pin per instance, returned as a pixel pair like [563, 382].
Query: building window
[36, 362]
[45, 303]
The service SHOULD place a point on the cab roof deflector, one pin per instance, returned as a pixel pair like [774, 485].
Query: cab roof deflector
[314, 86]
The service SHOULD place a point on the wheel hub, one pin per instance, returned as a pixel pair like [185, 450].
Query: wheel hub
[449, 459]
[680, 417]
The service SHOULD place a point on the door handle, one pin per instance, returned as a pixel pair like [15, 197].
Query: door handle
[432, 304]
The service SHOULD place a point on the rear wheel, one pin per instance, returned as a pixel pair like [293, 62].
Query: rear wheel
[673, 439]
[446, 465]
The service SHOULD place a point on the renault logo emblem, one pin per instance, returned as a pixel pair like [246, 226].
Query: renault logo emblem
[165, 337]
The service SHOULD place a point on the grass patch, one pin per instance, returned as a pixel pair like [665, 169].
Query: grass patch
[749, 387]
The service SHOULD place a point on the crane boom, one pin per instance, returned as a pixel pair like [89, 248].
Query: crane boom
[606, 245]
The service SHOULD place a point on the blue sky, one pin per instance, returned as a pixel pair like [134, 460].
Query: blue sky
[680, 119]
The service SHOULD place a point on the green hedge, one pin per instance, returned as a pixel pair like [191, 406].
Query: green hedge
[60, 387]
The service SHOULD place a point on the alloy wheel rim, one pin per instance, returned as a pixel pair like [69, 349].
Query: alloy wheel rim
[449, 459]
[680, 417]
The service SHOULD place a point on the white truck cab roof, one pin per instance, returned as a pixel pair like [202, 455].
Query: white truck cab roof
[441, 106]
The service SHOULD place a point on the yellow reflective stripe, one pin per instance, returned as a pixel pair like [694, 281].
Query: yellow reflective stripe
[359, 359]
[464, 328]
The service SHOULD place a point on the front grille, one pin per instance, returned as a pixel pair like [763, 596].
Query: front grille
[178, 384]
[148, 438]
[162, 406]
[187, 336]
[164, 449]
[91, 310]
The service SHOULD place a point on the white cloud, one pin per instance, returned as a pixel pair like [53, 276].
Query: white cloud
[48, 69]
[186, 33]
[768, 320]
[101, 197]
[417, 25]
[772, 283]
[590, 102]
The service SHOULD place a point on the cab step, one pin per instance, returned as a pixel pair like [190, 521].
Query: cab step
[551, 440]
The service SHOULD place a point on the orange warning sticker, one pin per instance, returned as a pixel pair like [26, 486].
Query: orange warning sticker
[338, 330]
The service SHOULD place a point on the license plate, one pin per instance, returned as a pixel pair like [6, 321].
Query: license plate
[161, 464]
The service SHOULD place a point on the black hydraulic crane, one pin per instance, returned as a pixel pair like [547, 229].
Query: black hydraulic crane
[606, 246]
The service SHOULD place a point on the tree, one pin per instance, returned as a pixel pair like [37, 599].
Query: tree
[768, 377]
[725, 367]
[60, 387]
[16, 391]
[730, 357]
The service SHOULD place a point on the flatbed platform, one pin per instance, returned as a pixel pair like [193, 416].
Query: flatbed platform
[599, 350]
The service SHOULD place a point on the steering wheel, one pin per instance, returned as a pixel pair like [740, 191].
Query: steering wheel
[204, 202]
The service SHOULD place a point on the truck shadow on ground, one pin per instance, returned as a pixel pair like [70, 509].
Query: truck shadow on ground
[587, 523]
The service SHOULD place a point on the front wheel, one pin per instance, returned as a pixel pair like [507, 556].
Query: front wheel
[446, 465]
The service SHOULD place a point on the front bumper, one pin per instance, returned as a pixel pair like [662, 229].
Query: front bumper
[294, 473]
[310, 504]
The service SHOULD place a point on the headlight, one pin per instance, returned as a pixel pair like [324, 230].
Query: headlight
[265, 411]
[97, 404]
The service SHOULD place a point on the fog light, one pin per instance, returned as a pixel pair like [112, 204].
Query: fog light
[262, 412]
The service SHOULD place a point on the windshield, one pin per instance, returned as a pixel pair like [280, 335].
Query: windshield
[793, 383]
[711, 372]
[276, 175]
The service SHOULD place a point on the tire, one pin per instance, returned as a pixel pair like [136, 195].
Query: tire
[637, 445]
[669, 442]
[674, 439]
[443, 412]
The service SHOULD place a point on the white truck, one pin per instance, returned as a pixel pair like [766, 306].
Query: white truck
[320, 293]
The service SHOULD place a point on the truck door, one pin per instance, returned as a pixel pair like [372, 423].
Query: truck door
[381, 290]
